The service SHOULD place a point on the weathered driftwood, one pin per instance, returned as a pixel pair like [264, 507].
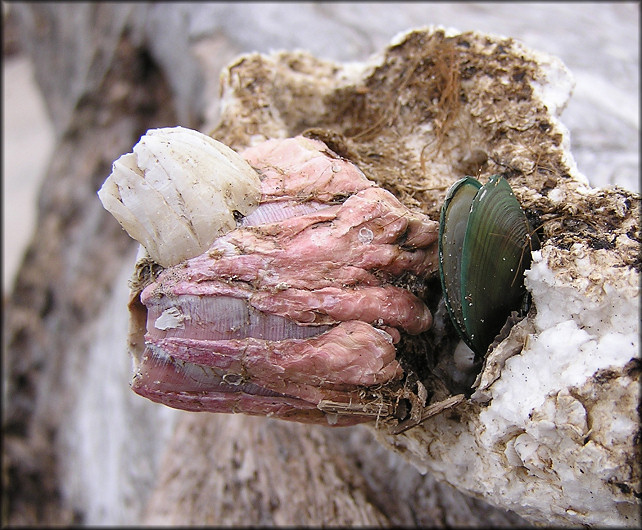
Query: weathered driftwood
[76, 251]
[237, 469]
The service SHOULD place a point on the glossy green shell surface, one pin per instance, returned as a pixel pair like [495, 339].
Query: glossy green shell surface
[485, 245]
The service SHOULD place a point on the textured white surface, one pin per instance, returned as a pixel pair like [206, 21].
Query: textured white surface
[554, 439]
[540, 413]
[178, 191]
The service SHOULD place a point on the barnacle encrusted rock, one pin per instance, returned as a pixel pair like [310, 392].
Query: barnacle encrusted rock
[551, 428]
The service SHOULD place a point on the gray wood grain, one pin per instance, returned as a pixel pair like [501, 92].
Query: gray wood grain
[97, 457]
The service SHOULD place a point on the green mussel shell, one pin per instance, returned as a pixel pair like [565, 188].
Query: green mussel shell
[485, 244]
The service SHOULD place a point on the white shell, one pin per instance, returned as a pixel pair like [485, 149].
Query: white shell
[178, 191]
[171, 318]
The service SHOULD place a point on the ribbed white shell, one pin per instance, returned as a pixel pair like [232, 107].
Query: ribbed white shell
[178, 191]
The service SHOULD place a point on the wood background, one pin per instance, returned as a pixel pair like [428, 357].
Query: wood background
[78, 446]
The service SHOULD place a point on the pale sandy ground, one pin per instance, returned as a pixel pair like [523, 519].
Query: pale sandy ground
[598, 42]
[25, 126]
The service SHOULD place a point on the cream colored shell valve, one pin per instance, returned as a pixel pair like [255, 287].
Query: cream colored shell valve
[178, 191]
